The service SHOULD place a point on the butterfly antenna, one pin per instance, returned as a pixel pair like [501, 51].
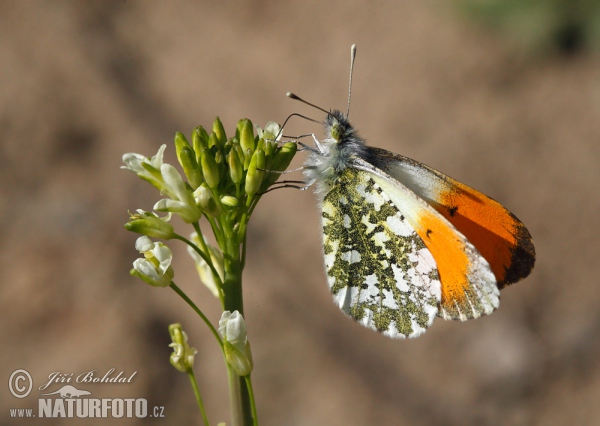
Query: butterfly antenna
[352, 56]
[298, 98]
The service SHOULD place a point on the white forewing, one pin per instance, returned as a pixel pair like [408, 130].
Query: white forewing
[378, 269]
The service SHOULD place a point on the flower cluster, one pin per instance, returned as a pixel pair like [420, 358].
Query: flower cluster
[223, 179]
[221, 173]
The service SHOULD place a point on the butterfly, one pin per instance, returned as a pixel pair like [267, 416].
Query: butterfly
[404, 243]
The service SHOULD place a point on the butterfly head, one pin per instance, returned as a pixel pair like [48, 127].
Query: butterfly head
[337, 127]
[341, 137]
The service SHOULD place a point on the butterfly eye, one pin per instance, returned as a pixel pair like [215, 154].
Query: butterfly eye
[335, 131]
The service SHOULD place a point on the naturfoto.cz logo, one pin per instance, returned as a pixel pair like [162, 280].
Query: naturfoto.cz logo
[70, 401]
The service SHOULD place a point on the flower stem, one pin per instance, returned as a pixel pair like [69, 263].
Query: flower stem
[198, 397]
[252, 402]
[235, 398]
[198, 311]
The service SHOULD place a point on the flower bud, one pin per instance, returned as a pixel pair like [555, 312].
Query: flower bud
[210, 169]
[235, 342]
[219, 131]
[236, 170]
[190, 167]
[261, 144]
[213, 140]
[180, 143]
[240, 153]
[230, 201]
[247, 159]
[219, 158]
[281, 160]
[247, 137]
[205, 200]
[183, 355]
[270, 148]
[147, 223]
[255, 174]
[199, 141]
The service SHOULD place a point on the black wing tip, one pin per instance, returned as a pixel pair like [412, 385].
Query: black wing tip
[522, 262]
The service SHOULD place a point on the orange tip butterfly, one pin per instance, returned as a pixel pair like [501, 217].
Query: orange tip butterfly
[404, 243]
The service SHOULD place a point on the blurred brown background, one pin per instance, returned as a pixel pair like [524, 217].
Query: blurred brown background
[81, 83]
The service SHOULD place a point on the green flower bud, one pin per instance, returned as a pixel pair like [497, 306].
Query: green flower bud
[228, 145]
[205, 200]
[238, 128]
[210, 169]
[147, 223]
[199, 141]
[281, 160]
[230, 201]
[261, 144]
[213, 140]
[219, 131]
[255, 174]
[219, 158]
[240, 153]
[239, 362]
[180, 143]
[247, 159]
[270, 148]
[236, 169]
[187, 158]
[247, 137]
[183, 355]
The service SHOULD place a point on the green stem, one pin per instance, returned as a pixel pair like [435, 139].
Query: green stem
[252, 402]
[198, 397]
[198, 311]
[235, 398]
[241, 412]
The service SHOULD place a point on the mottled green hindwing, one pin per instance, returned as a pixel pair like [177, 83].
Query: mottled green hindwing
[378, 269]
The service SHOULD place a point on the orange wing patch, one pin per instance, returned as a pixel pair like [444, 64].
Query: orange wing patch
[468, 286]
[498, 235]
[455, 263]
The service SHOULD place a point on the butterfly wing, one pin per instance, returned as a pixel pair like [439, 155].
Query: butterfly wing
[497, 234]
[468, 286]
[378, 268]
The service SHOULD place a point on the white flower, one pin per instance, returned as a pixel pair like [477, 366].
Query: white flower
[146, 168]
[155, 268]
[235, 342]
[271, 131]
[204, 271]
[182, 201]
[144, 244]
